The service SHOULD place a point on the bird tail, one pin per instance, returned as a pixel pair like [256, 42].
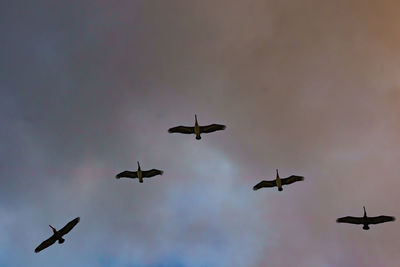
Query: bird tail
[61, 240]
[280, 188]
[198, 137]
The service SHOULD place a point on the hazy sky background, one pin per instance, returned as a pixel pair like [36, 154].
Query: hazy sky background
[90, 87]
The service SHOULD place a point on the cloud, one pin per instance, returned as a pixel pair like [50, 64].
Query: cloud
[90, 88]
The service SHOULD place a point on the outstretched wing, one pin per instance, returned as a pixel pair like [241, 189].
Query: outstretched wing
[349, 219]
[380, 219]
[264, 184]
[126, 174]
[68, 227]
[45, 244]
[182, 129]
[212, 128]
[151, 173]
[292, 179]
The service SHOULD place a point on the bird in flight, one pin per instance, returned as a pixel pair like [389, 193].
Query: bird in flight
[57, 235]
[365, 220]
[278, 182]
[197, 129]
[139, 174]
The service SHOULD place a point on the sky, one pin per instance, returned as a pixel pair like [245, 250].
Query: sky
[87, 88]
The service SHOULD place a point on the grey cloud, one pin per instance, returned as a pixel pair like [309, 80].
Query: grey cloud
[309, 88]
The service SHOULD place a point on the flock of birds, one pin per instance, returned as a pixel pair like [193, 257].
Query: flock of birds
[198, 130]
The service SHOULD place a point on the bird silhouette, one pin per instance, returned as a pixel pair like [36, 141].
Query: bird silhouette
[278, 182]
[197, 129]
[139, 174]
[365, 220]
[57, 235]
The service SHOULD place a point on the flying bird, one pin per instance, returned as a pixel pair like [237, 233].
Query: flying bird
[278, 182]
[139, 174]
[197, 130]
[57, 235]
[365, 220]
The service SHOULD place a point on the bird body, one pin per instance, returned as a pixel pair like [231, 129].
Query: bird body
[278, 182]
[57, 235]
[140, 174]
[365, 220]
[197, 129]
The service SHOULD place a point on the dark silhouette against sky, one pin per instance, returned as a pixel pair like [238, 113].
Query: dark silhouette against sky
[365, 220]
[278, 182]
[197, 129]
[140, 174]
[57, 235]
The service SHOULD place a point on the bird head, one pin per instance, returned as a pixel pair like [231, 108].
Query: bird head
[365, 213]
[54, 229]
[277, 173]
[138, 165]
